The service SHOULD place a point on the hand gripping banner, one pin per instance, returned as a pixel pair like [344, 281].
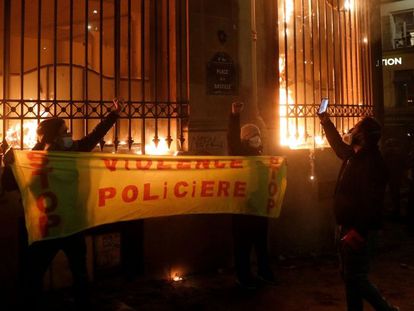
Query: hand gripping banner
[67, 192]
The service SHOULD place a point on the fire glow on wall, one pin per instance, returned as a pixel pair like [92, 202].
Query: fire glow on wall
[324, 51]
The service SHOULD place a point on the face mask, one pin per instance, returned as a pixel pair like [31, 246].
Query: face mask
[255, 142]
[347, 138]
[67, 142]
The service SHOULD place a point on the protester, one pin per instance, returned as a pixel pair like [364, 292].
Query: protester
[53, 136]
[248, 231]
[358, 207]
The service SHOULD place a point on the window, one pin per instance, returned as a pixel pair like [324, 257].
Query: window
[70, 58]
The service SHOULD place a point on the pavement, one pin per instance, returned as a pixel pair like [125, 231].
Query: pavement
[306, 283]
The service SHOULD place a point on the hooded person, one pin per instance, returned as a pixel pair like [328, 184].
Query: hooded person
[248, 231]
[53, 135]
[358, 207]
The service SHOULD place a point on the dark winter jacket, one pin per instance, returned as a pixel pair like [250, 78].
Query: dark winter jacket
[85, 144]
[235, 145]
[360, 189]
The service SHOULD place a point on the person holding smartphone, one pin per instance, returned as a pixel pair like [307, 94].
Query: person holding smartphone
[358, 206]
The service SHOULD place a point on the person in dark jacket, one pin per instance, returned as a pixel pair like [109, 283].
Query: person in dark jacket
[358, 206]
[248, 231]
[53, 136]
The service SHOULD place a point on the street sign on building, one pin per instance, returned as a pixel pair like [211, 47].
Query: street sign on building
[221, 75]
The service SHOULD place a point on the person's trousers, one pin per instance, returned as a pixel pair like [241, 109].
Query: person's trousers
[38, 257]
[355, 266]
[250, 232]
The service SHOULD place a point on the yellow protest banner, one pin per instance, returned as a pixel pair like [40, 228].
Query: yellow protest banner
[67, 192]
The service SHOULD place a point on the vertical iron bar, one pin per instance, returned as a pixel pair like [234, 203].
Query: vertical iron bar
[39, 50]
[168, 138]
[55, 57]
[341, 86]
[353, 57]
[182, 43]
[117, 61]
[304, 60]
[6, 59]
[101, 106]
[334, 80]
[363, 51]
[156, 105]
[130, 140]
[357, 53]
[71, 64]
[369, 54]
[345, 54]
[86, 85]
[327, 39]
[296, 69]
[285, 33]
[311, 24]
[22, 33]
[143, 104]
[318, 12]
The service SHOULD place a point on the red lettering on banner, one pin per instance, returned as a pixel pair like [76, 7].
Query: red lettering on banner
[202, 163]
[207, 188]
[47, 202]
[110, 164]
[105, 194]
[236, 164]
[44, 182]
[162, 166]
[239, 189]
[147, 193]
[125, 194]
[183, 164]
[223, 187]
[177, 192]
[217, 164]
[141, 167]
[38, 160]
[46, 222]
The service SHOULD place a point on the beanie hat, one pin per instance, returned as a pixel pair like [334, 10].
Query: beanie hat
[49, 129]
[248, 131]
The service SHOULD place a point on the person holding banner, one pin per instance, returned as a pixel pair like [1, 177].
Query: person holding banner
[248, 231]
[53, 135]
[358, 207]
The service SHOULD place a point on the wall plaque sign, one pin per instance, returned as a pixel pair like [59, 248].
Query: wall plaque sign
[221, 75]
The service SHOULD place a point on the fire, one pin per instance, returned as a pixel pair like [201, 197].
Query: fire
[292, 128]
[177, 278]
[13, 134]
[161, 149]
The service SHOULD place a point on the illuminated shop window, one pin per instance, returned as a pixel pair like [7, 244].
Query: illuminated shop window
[70, 58]
[324, 51]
